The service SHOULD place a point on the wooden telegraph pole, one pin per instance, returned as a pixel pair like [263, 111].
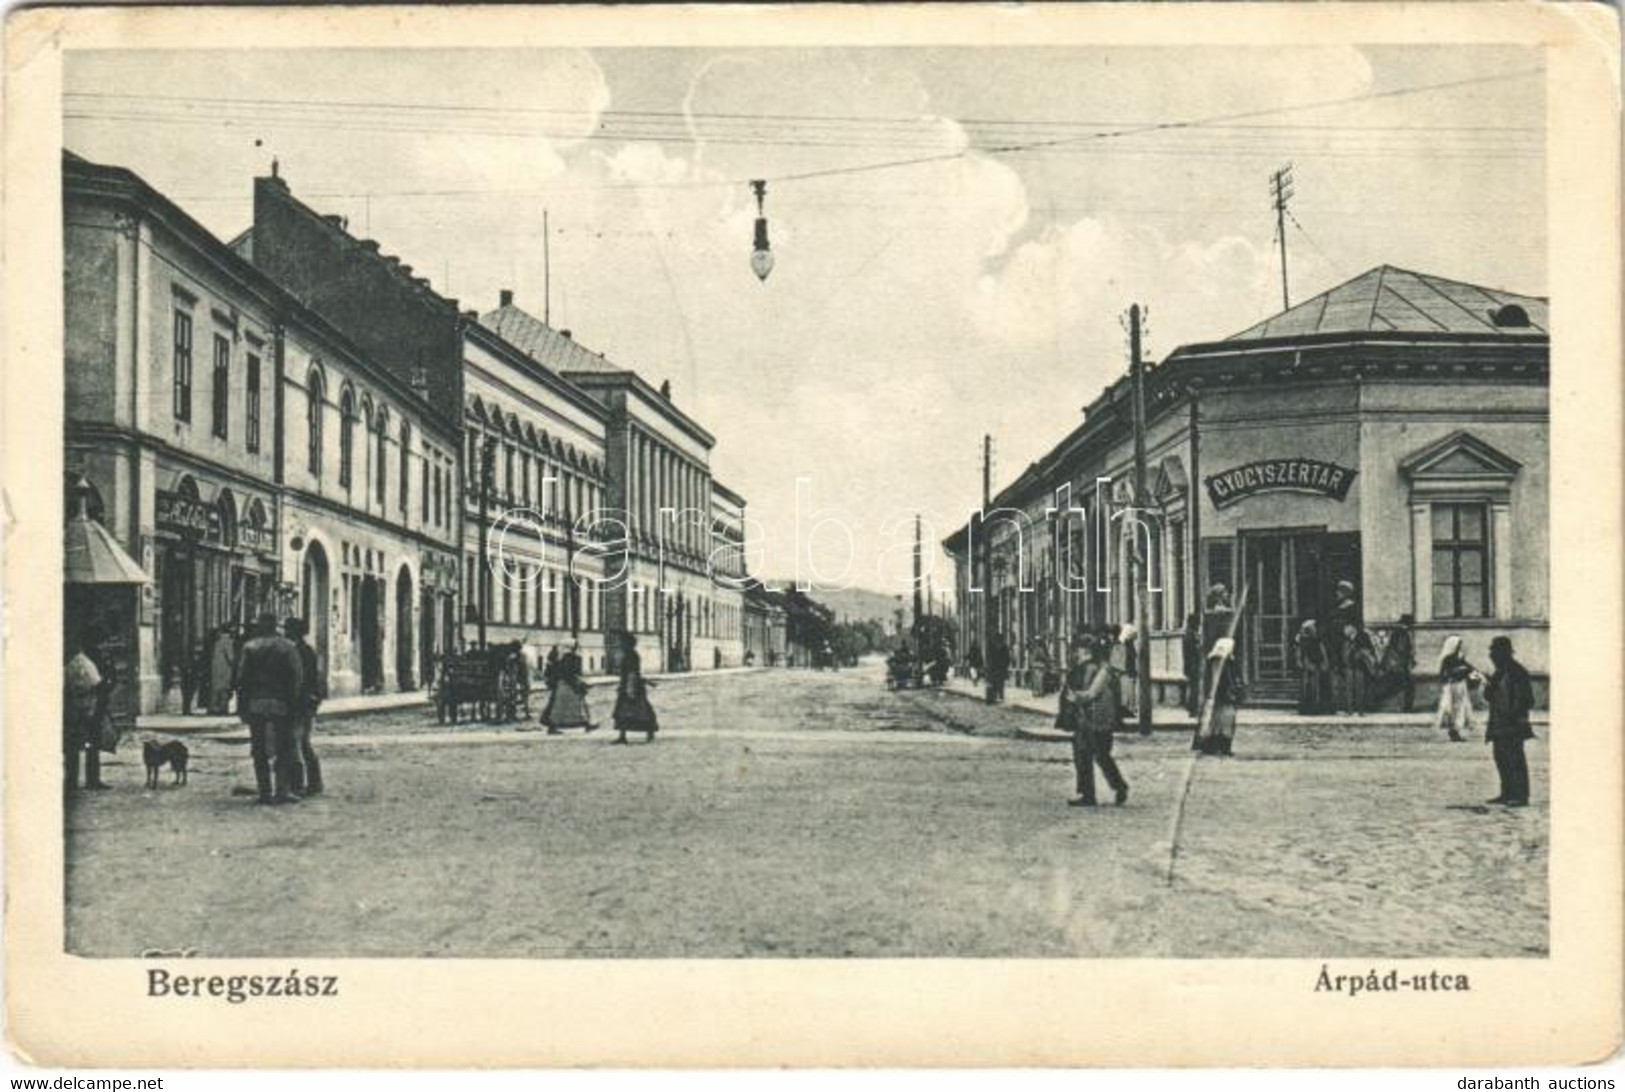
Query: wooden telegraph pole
[1141, 563]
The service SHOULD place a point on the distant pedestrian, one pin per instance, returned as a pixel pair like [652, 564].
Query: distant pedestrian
[973, 661]
[306, 773]
[567, 695]
[633, 713]
[1362, 668]
[1511, 697]
[998, 667]
[270, 690]
[1090, 695]
[1312, 674]
[1455, 693]
[1399, 661]
[222, 670]
[1345, 628]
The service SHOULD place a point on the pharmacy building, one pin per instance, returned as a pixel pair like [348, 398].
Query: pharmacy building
[1380, 449]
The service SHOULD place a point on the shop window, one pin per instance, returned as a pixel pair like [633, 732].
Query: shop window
[1220, 567]
[221, 408]
[1460, 561]
[251, 403]
[183, 366]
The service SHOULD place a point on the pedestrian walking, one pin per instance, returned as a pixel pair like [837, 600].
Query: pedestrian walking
[1312, 674]
[998, 667]
[85, 689]
[1091, 699]
[567, 695]
[1511, 696]
[1455, 690]
[1345, 628]
[1216, 736]
[973, 661]
[222, 670]
[306, 774]
[270, 688]
[1399, 661]
[633, 713]
[1190, 655]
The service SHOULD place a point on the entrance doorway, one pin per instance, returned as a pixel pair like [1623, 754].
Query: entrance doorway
[1293, 576]
[372, 659]
[313, 603]
[403, 630]
[427, 627]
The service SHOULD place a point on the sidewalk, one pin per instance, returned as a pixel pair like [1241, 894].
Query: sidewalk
[362, 704]
[1170, 719]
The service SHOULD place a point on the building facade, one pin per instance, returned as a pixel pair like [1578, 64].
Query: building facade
[1391, 433]
[187, 376]
[657, 534]
[544, 586]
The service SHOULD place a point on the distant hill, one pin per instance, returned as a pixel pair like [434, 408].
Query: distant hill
[858, 604]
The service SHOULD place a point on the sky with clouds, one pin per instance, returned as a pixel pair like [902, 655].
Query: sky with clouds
[912, 308]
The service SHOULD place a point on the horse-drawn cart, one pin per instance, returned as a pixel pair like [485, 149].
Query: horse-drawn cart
[493, 681]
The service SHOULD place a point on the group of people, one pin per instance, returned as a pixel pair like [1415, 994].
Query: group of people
[1348, 671]
[567, 689]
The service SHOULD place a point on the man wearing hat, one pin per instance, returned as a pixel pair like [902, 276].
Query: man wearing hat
[1090, 700]
[270, 691]
[1341, 646]
[306, 768]
[1511, 697]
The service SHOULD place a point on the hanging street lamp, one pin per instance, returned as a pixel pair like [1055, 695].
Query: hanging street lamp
[761, 255]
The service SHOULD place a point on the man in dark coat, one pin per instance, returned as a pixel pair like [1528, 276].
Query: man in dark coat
[270, 690]
[998, 667]
[1091, 700]
[307, 768]
[1511, 697]
[1400, 658]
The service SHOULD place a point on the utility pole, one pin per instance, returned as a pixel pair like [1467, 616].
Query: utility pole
[1141, 564]
[547, 273]
[1281, 191]
[488, 467]
[918, 587]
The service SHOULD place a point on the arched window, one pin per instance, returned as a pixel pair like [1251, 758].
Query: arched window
[346, 437]
[380, 461]
[315, 394]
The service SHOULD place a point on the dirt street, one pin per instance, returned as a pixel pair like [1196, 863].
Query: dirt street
[813, 814]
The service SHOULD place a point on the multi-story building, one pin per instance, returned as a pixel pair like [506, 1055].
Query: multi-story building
[1390, 432]
[189, 374]
[658, 583]
[544, 583]
[724, 626]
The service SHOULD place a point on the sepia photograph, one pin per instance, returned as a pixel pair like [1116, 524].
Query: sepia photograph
[820, 500]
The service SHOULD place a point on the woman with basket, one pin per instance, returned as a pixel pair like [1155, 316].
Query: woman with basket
[1457, 680]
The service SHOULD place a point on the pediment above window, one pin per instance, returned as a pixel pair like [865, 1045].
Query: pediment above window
[1460, 463]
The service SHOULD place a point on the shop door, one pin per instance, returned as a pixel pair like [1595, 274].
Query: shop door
[1270, 567]
[427, 627]
[403, 631]
[175, 589]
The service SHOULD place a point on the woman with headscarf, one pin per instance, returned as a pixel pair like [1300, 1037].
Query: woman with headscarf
[1455, 696]
[1311, 670]
[633, 713]
[567, 698]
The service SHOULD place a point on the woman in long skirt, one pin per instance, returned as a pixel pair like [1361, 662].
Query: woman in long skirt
[1312, 665]
[567, 698]
[1455, 698]
[633, 713]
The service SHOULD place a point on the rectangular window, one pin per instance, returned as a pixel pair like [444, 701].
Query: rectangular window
[183, 366]
[222, 386]
[251, 403]
[1221, 560]
[426, 497]
[1460, 561]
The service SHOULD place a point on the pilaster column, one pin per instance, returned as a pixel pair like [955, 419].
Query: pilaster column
[1501, 551]
[1422, 562]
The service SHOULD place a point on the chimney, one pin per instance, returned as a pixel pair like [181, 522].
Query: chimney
[368, 244]
[565, 334]
[506, 298]
[336, 221]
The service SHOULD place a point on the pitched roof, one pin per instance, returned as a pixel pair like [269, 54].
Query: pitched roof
[538, 340]
[1389, 299]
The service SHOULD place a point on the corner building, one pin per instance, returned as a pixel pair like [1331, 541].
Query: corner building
[1391, 432]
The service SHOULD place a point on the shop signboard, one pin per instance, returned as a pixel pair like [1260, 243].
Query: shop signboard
[1298, 474]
